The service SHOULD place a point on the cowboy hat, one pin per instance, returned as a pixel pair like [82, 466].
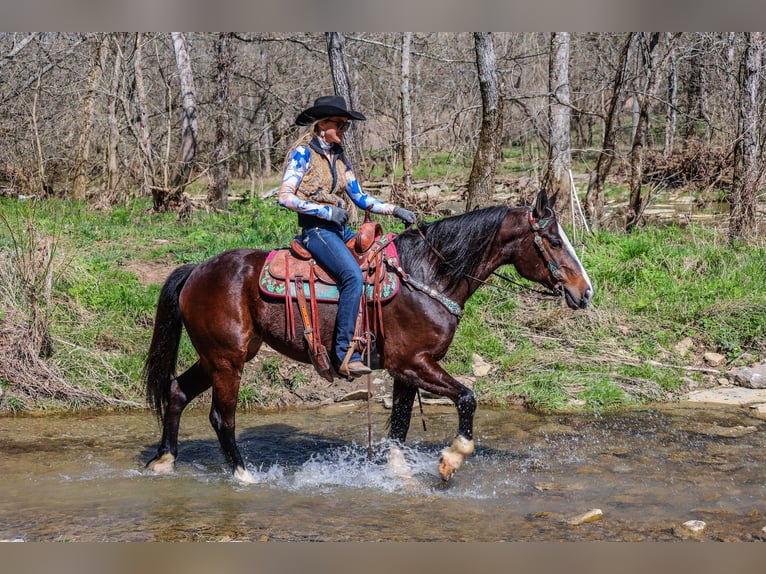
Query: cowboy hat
[324, 107]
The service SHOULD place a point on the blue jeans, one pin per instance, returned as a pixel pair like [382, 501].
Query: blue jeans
[327, 244]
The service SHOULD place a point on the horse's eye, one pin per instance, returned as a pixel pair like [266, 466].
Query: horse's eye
[555, 243]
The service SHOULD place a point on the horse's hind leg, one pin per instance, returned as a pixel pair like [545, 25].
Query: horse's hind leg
[183, 389]
[223, 418]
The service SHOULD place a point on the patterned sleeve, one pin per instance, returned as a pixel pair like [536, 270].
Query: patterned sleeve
[297, 165]
[360, 198]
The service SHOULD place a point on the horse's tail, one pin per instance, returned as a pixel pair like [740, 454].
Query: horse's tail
[160, 366]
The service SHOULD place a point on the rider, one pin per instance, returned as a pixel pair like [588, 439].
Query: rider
[316, 183]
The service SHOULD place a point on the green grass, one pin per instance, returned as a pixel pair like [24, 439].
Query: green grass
[654, 287]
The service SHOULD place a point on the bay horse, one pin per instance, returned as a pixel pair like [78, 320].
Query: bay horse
[442, 263]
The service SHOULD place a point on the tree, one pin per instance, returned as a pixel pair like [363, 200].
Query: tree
[406, 136]
[143, 130]
[481, 179]
[652, 64]
[114, 128]
[80, 180]
[594, 198]
[218, 195]
[747, 170]
[336, 50]
[189, 128]
[559, 137]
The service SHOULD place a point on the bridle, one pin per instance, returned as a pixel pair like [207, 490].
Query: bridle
[537, 226]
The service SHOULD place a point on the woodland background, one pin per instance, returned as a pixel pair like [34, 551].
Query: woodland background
[123, 155]
[110, 115]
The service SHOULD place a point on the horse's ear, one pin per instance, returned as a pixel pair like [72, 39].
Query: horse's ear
[541, 203]
[552, 199]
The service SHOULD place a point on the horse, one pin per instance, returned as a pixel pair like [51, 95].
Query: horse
[442, 264]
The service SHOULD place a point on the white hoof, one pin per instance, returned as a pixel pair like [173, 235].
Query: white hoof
[397, 465]
[453, 456]
[244, 476]
[163, 465]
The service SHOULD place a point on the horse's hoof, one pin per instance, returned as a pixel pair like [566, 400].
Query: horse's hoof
[244, 476]
[397, 465]
[164, 464]
[446, 469]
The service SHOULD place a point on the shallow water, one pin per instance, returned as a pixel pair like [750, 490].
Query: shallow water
[81, 478]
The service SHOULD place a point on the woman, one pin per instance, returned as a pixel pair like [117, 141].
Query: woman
[317, 183]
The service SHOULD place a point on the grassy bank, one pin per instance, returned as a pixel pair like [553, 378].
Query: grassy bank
[664, 297]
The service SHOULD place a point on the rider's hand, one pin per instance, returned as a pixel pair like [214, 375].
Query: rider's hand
[338, 216]
[405, 215]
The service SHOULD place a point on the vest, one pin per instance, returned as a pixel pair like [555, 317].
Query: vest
[323, 182]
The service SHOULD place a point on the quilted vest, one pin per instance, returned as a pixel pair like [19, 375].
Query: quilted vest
[324, 182]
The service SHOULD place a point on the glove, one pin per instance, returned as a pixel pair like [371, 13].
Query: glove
[338, 216]
[405, 215]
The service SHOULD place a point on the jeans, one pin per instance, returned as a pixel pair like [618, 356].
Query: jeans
[327, 244]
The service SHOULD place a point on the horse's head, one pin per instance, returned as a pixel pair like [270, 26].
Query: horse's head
[553, 261]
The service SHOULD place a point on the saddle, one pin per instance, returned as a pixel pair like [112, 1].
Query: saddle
[292, 273]
[282, 266]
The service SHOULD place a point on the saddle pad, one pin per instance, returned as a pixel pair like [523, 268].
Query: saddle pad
[273, 284]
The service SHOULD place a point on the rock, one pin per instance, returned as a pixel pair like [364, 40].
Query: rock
[591, 516]
[481, 368]
[727, 432]
[725, 396]
[714, 359]
[683, 346]
[758, 410]
[358, 395]
[388, 402]
[752, 378]
[690, 528]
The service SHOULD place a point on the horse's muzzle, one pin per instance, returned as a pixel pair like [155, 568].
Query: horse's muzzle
[580, 302]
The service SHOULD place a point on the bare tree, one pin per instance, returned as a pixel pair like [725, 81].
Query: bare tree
[336, 50]
[406, 135]
[747, 170]
[143, 130]
[189, 128]
[559, 154]
[82, 160]
[594, 198]
[652, 64]
[671, 109]
[481, 179]
[224, 51]
[114, 129]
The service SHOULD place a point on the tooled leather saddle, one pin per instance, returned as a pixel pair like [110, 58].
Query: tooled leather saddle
[283, 266]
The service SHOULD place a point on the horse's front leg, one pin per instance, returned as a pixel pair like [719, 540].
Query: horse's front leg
[453, 456]
[426, 373]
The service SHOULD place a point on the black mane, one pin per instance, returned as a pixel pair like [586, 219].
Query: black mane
[461, 241]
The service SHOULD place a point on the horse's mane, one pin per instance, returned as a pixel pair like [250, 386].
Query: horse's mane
[461, 240]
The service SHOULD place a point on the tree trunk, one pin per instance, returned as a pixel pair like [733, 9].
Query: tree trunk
[82, 159]
[671, 114]
[144, 131]
[747, 171]
[406, 135]
[638, 200]
[224, 54]
[559, 152]
[189, 128]
[594, 198]
[112, 167]
[481, 180]
[352, 141]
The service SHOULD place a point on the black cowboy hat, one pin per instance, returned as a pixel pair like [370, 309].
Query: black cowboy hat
[324, 107]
